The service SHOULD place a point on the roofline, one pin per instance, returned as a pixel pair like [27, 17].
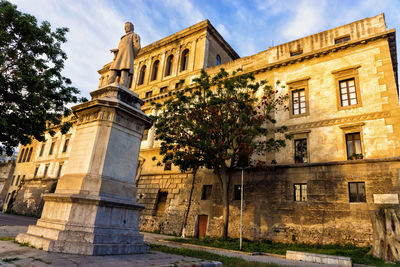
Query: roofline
[234, 55]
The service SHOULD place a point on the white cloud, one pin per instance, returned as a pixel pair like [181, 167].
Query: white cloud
[223, 31]
[309, 18]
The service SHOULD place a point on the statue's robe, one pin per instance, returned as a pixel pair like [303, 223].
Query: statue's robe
[128, 49]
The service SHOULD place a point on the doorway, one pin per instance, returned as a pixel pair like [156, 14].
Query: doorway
[202, 229]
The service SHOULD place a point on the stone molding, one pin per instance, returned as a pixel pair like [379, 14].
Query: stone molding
[337, 121]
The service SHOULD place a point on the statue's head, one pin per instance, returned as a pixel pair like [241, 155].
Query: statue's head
[129, 27]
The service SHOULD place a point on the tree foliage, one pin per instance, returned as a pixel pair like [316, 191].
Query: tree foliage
[221, 124]
[33, 92]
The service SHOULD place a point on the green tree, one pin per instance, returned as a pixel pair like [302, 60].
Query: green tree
[220, 123]
[33, 92]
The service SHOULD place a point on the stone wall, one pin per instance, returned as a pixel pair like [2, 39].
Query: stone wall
[6, 173]
[270, 211]
[28, 199]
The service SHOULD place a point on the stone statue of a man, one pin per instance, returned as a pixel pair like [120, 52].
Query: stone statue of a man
[128, 48]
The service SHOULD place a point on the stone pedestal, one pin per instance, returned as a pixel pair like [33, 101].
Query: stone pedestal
[93, 210]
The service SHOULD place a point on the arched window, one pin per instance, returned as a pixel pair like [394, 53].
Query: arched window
[168, 69]
[29, 155]
[155, 70]
[141, 75]
[185, 60]
[217, 60]
[21, 155]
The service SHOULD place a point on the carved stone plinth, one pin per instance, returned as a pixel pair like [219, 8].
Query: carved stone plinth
[93, 210]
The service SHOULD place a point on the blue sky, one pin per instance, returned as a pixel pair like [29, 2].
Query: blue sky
[249, 26]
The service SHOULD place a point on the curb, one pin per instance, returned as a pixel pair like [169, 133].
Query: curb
[223, 249]
[196, 264]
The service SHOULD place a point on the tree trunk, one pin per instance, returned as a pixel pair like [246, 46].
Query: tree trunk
[183, 230]
[386, 234]
[226, 180]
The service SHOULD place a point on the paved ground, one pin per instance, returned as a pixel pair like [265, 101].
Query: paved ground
[11, 225]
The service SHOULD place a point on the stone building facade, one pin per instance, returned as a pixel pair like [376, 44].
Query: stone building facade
[343, 161]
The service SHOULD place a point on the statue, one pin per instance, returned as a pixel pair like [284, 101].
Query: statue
[128, 48]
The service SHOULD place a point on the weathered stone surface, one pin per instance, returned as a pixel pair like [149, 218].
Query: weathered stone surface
[93, 210]
[319, 258]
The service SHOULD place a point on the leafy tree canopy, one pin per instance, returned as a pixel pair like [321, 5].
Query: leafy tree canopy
[33, 92]
[221, 124]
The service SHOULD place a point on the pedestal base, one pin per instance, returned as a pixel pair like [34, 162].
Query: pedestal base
[88, 225]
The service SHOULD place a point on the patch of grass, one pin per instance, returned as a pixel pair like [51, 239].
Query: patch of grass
[41, 260]
[9, 260]
[25, 244]
[226, 261]
[6, 238]
[357, 254]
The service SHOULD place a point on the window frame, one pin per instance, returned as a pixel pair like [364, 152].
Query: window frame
[343, 39]
[142, 75]
[350, 129]
[206, 192]
[42, 147]
[299, 138]
[184, 60]
[60, 165]
[343, 75]
[299, 84]
[169, 66]
[301, 192]
[237, 192]
[354, 150]
[154, 70]
[52, 147]
[46, 170]
[358, 198]
[66, 143]
[218, 60]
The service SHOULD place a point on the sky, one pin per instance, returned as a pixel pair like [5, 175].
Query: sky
[249, 26]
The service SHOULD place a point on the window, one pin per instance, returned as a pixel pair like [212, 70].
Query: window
[155, 70]
[300, 150]
[298, 97]
[65, 145]
[59, 170]
[142, 73]
[17, 181]
[348, 95]
[45, 171]
[145, 134]
[161, 202]
[237, 191]
[206, 193]
[300, 192]
[348, 88]
[357, 192]
[168, 69]
[52, 148]
[185, 60]
[41, 150]
[353, 145]
[296, 53]
[217, 60]
[36, 171]
[179, 84]
[149, 94]
[30, 154]
[167, 165]
[21, 156]
[13, 180]
[163, 89]
[342, 39]
[299, 101]
[26, 155]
